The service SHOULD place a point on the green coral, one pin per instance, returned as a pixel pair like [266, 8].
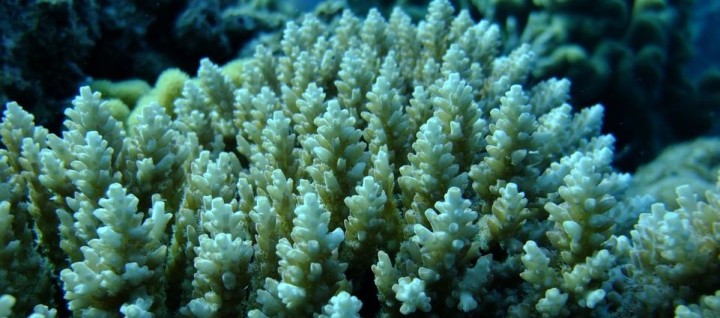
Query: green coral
[628, 55]
[365, 151]
[123, 266]
[693, 163]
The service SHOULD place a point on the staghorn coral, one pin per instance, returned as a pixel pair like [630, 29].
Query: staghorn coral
[631, 56]
[370, 166]
[693, 163]
[50, 47]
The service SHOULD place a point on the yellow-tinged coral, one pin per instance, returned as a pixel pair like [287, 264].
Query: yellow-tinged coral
[118, 109]
[168, 87]
[234, 70]
[128, 91]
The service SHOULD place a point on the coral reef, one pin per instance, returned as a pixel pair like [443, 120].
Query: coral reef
[694, 164]
[369, 166]
[628, 55]
[50, 47]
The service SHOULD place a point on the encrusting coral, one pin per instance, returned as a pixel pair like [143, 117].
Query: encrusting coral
[371, 166]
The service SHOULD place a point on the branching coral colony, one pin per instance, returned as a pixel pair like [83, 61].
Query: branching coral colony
[412, 156]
